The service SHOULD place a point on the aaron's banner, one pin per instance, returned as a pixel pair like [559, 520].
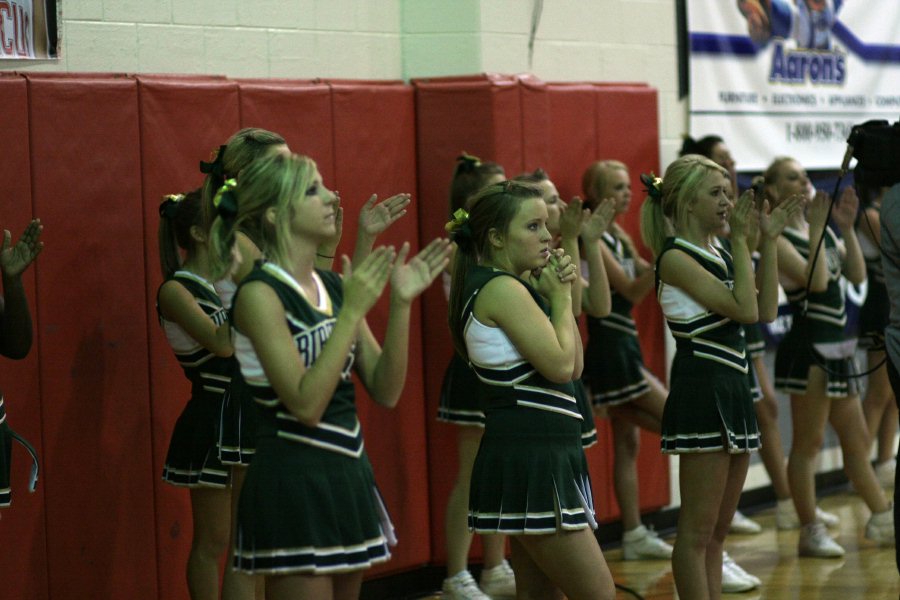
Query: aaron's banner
[28, 29]
[791, 77]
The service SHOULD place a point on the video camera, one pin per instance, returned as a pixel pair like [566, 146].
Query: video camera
[876, 147]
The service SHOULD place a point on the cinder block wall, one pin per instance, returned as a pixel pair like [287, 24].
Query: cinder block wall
[596, 40]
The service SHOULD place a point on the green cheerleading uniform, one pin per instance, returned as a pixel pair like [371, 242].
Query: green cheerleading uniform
[817, 335]
[192, 459]
[7, 436]
[709, 407]
[613, 359]
[460, 401]
[309, 504]
[237, 424]
[753, 335]
[588, 425]
[530, 474]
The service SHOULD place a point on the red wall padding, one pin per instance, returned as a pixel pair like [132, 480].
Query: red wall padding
[93, 338]
[481, 116]
[100, 392]
[628, 125]
[181, 121]
[380, 158]
[300, 111]
[23, 563]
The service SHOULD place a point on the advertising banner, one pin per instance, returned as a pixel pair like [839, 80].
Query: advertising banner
[28, 29]
[791, 77]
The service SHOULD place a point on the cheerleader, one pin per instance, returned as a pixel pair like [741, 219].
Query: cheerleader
[570, 225]
[15, 336]
[705, 294]
[237, 431]
[530, 479]
[815, 363]
[299, 332]
[196, 326]
[765, 402]
[460, 406]
[621, 386]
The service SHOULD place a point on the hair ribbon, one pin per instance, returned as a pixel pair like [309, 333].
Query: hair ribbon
[169, 206]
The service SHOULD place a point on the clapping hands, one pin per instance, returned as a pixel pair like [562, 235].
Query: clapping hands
[15, 258]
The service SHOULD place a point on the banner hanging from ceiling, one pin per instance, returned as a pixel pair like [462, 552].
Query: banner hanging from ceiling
[791, 77]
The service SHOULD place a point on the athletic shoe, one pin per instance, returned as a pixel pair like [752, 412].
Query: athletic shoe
[786, 516]
[733, 581]
[462, 586]
[741, 524]
[880, 527]
[885, 473]
[829, 519]
[644, 544]
[815, 542]
[498, 582]
[728, 562]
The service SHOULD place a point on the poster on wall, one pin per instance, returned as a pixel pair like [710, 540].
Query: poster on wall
[791, 77]
[29, 29]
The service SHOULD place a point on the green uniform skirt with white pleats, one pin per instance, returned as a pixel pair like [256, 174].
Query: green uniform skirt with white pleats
[530, 474]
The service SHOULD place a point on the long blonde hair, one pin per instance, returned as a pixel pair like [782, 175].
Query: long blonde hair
[272, 181]
[667, 203]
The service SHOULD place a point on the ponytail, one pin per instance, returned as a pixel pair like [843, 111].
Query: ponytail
[178, 213]
[492, 208]
[464, 260]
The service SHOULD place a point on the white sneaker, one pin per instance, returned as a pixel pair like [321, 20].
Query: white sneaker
[741, 524]
[732, 580]
[827, 518]
[880, 527]
[786, 516]
[815, 542]
[885, 473]
[498, 582]
[644, 544]
[728, 562]
[462, 586]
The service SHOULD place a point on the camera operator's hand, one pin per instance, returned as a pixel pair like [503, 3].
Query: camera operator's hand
[845, 209]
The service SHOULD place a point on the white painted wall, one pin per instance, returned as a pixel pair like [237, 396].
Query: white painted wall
[595, 40]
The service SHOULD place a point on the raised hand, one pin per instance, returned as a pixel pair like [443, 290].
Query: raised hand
[742, 214]
[598, 221]
[14, 259]
[818, 211]
[771, 224]
[845, 209]
[375, 218]
[409, 279]
[753, 229]
[572, 219]
[364, 284]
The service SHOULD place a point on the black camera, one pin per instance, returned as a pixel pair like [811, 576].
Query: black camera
[876, 147]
